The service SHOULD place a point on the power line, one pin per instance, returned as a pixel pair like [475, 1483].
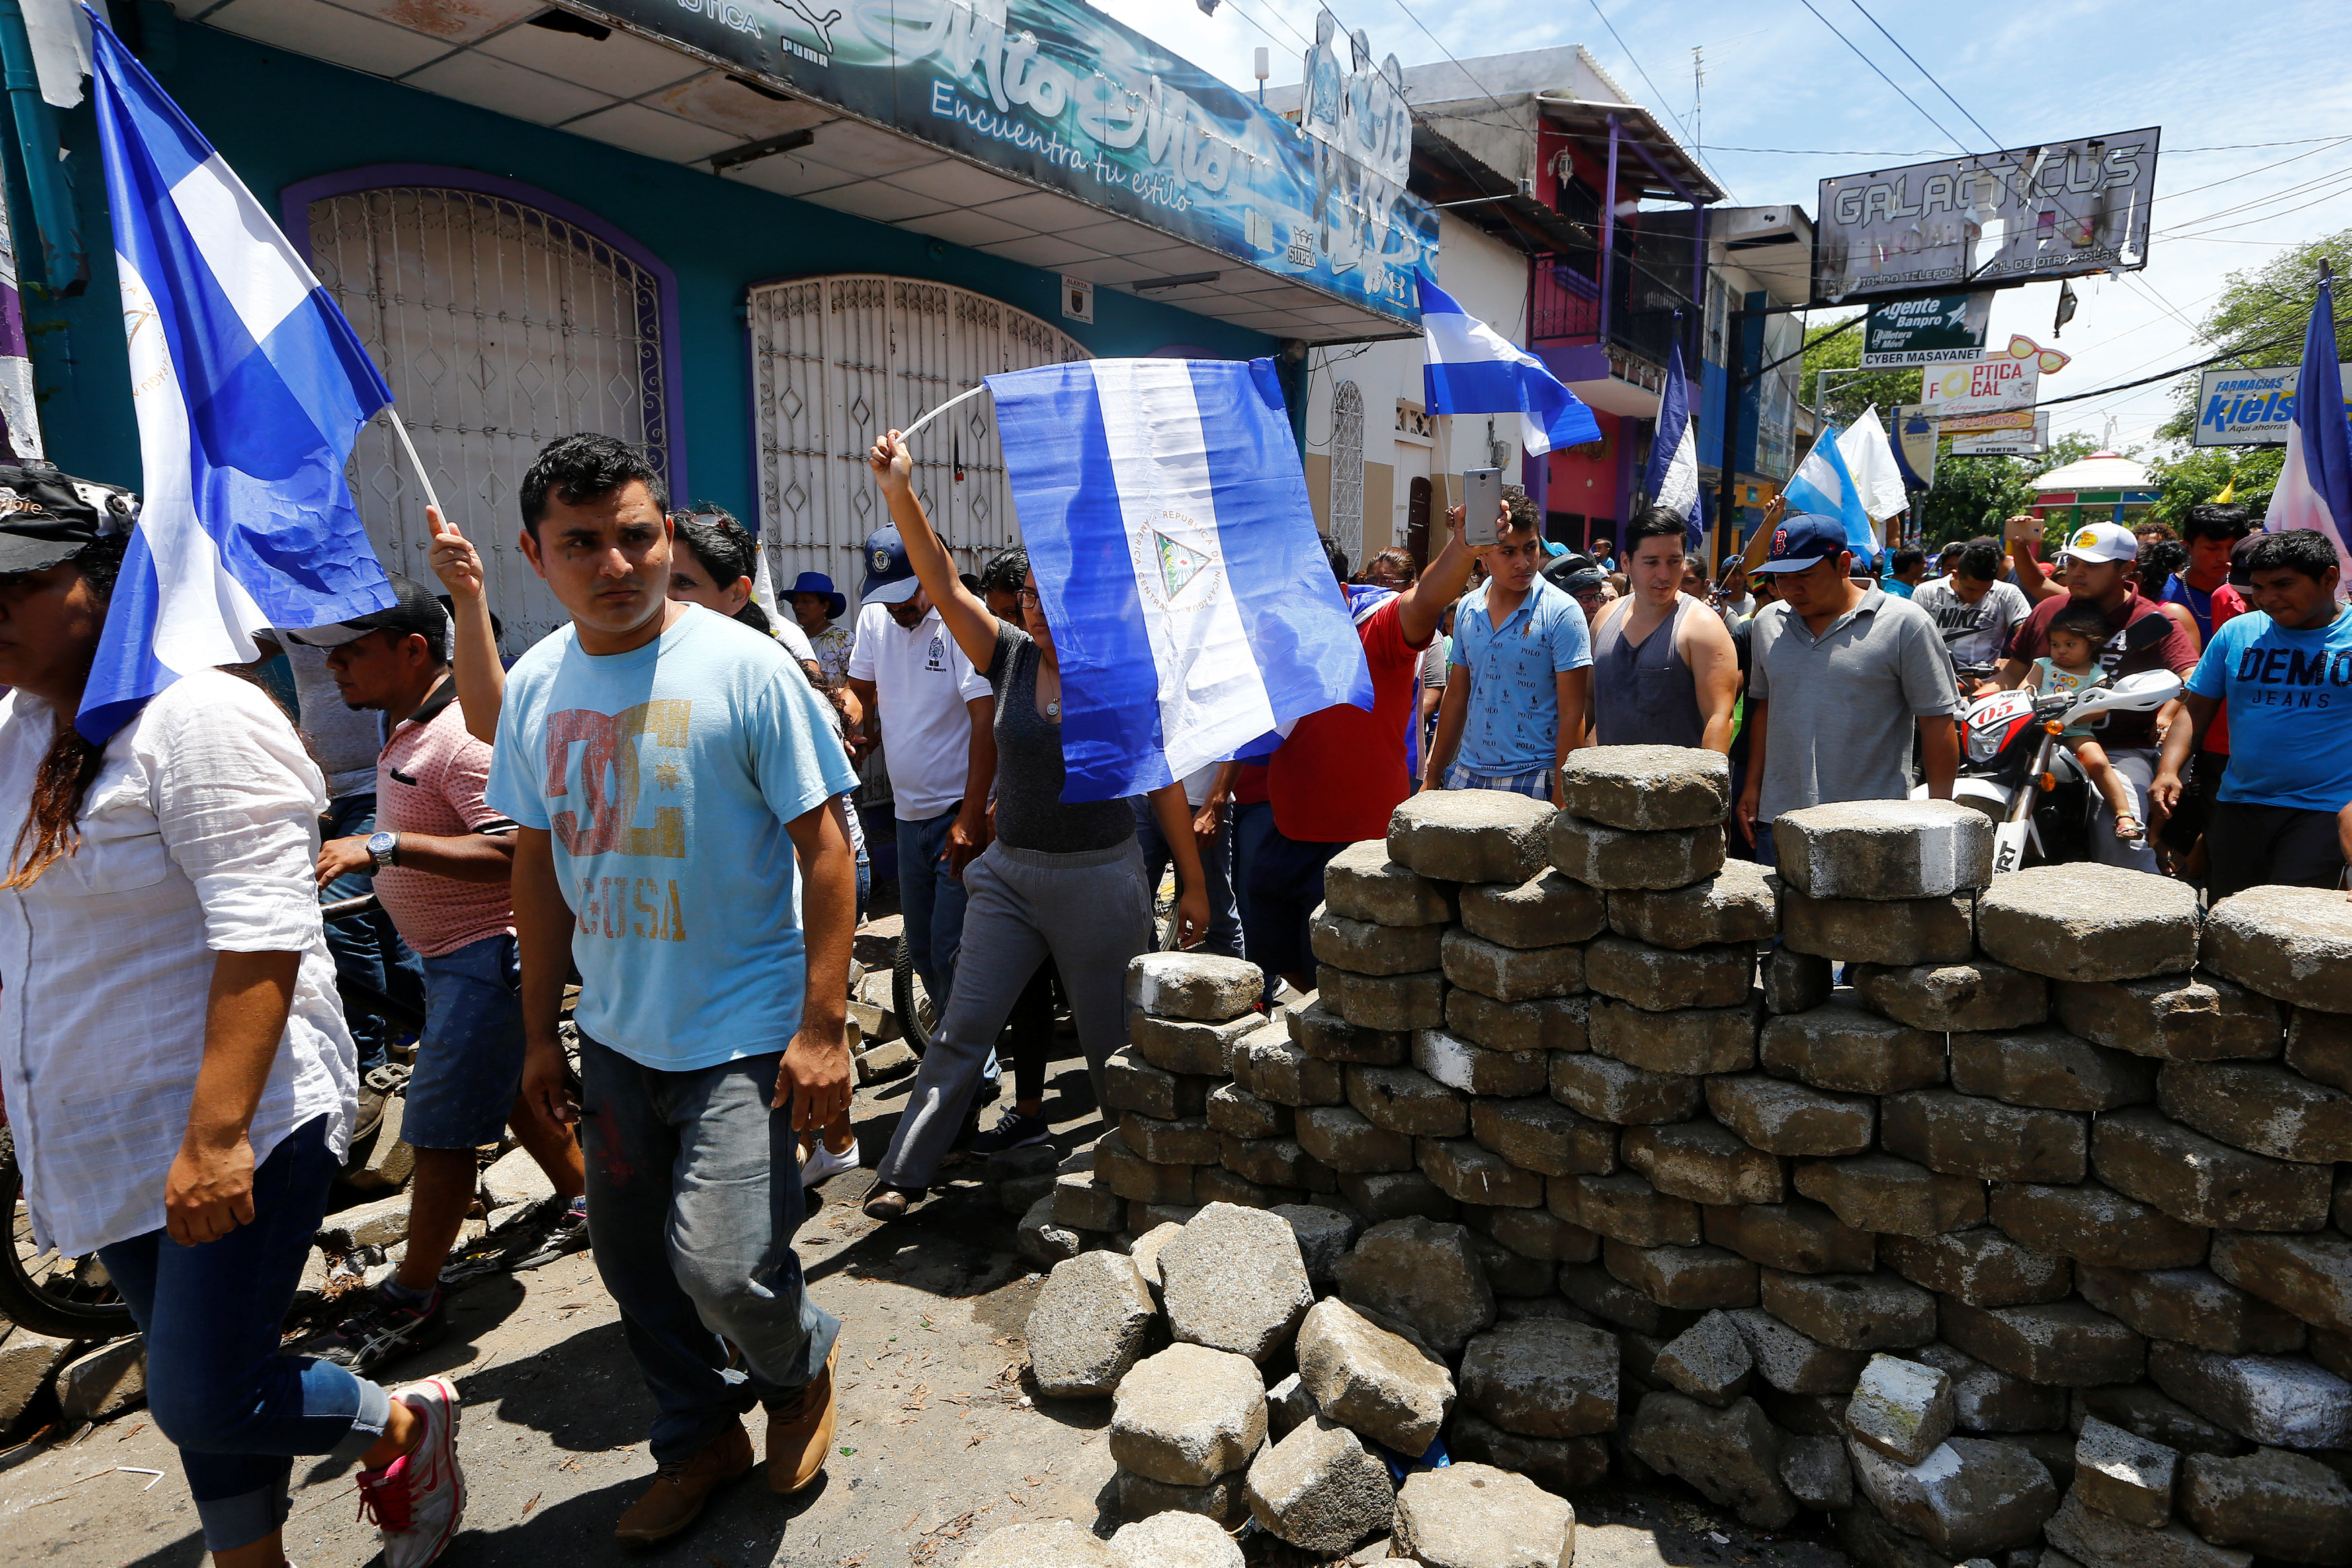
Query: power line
[1932, 152]
[1881, 76]
[1634, 60]
[1924, 71]
[2247, 175]
[1442, 50]
[2344, 183]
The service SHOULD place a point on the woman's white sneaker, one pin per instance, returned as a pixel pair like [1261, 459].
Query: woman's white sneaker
[823, 1164]
[419, 1499]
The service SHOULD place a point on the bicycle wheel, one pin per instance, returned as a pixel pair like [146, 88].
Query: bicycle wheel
[911, 1002]
[65, 1297]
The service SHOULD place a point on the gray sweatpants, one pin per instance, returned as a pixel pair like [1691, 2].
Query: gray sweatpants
[1090, 912]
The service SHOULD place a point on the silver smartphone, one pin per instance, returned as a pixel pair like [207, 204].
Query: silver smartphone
[1482, 507]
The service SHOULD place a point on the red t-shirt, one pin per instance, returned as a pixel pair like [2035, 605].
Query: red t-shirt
[2172, 652]
[1249, 783]
[2228, 604]
[1341, 773]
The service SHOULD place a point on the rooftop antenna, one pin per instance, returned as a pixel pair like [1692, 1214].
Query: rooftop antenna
[1264, 69]
[1698, 97]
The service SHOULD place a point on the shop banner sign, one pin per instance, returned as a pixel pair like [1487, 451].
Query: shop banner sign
[1980, 386]
[2250, 408]
[2007, 443]
[1941, 331]
[1056, 93]
[2060, 210]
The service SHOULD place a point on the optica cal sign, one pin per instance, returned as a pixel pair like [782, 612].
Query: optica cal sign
[1997, 381]
[2249, 408]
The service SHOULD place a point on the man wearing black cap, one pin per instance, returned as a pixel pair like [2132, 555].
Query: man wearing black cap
[1841, 672]
[439, 860]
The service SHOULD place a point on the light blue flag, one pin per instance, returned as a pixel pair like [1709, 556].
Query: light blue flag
[1175, 553]
[1473, 368]
[249, 388]
[1821, 485]
[1672, 478]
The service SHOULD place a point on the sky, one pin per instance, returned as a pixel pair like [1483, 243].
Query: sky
[1786, 102]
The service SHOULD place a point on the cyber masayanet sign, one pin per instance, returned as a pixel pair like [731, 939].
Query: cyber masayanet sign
[1056, 93]
[2059, 210]
[2250, 408]
[1935, 331]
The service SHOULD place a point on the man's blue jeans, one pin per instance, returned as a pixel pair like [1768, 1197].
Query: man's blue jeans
[216, 1385]
[366, 949]
[931, 903]
[1216, 872]
[1252, 825]
[693, 1195]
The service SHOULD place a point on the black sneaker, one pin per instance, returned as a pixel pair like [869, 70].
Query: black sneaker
[567, 1235]
[384, 1328]
[1013, 1130]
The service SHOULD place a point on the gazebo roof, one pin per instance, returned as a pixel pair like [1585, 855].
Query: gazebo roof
[2099, 471]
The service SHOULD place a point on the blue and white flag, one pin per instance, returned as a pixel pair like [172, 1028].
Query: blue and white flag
[1821, 485]
[249, 388]
[1473, 368]
[1672, 478]
[2314, 487]
[1194, 612]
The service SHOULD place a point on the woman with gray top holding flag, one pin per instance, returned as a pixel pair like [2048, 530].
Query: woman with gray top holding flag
[1062, 880]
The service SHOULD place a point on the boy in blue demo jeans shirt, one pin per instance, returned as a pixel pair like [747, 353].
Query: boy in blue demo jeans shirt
[674, 779]
[2285, 671]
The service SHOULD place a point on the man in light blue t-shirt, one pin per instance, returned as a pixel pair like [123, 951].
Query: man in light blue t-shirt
[1519, 674]
[2285, 671]
[674, 779]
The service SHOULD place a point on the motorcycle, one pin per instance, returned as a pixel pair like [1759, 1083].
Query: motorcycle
[2014, 768]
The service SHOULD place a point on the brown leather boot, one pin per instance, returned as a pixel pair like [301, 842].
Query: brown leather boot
[799, 1433]
[675, 1499]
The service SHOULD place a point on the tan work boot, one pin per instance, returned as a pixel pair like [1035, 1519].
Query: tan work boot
[675, 1499]
[800, 1432]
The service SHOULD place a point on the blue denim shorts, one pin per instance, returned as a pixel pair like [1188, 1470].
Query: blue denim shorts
[470, 1061]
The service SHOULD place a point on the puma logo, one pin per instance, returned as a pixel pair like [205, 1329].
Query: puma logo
[821, 26]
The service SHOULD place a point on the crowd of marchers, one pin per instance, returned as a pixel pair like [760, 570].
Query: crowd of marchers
[657, 803]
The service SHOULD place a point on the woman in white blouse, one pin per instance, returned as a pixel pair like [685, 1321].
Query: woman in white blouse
[177, 1070]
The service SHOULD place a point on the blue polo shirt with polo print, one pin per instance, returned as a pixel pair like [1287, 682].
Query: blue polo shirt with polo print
[1513, 725]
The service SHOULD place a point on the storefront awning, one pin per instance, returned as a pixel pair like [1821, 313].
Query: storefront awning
[1047, 134]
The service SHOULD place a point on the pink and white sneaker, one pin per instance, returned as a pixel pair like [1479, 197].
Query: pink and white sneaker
[419, 1498]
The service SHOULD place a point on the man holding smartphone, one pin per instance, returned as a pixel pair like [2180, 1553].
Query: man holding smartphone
[1521, 677]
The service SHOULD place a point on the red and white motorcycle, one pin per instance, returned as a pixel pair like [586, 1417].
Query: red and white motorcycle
[2014, 768]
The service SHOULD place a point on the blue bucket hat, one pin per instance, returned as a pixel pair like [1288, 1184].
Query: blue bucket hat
[818, 582]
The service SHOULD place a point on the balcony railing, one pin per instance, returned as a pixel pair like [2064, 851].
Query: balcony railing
[1642, 306]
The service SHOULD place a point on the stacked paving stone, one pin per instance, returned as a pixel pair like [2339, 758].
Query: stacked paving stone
[1982, 1217]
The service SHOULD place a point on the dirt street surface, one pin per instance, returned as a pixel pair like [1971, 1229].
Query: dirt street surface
[940, 1441]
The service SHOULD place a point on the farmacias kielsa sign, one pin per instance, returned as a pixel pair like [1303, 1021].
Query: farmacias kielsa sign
[1056, 93]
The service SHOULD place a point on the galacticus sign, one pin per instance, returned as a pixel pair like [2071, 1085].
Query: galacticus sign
[2060, 210]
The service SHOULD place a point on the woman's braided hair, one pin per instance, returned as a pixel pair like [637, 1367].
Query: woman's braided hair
[69, 766]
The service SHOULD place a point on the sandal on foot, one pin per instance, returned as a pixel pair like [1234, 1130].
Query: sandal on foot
[2129, 829]
[892, 1202]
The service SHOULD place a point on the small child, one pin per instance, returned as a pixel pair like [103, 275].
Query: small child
[2076, 637]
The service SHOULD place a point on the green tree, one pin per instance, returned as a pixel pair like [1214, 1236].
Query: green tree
[1974, 495]
[1829, 349]
[2200, 473]
[2261, 317]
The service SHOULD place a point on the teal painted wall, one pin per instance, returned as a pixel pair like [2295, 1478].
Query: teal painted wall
[279, 118]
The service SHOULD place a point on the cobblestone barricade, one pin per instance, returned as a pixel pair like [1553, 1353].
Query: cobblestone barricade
[1980, 1215]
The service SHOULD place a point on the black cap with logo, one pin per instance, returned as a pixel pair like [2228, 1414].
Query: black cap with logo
[47, 516]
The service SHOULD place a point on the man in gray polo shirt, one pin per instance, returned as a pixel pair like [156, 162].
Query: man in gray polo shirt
[1840, 671]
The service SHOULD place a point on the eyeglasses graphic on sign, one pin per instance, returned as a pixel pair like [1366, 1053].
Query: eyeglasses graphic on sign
[2050, 359]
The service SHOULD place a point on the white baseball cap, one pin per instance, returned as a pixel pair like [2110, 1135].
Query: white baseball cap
[2101, 541]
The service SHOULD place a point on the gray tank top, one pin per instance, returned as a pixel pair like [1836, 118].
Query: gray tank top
[1645, 695]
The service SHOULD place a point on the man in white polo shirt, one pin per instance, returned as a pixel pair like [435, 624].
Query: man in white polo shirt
[935, 716]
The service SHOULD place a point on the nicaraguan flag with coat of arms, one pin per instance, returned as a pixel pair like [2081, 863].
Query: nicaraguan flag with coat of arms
[1174, 550]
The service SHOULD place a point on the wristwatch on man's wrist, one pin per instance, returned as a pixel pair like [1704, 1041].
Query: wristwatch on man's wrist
[384, 849]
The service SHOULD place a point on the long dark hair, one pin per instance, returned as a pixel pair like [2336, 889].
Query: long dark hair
[52, 830]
